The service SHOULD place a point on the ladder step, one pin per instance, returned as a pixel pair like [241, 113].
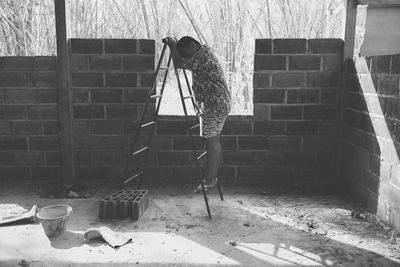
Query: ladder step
[133, 177]
[188, 96]
[147, 124]
[140, 150]
[163, 68]
[195, 126]
[155, 96]
[202, 155]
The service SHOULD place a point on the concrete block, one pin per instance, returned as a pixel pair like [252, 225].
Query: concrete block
[174, 158]
[380, 64]
[286, 112]
[319, 112]
[13, 143]
[269, 127]
[291, 79]
[303, 96]
[120, 46]
[145, 46]
[86, 46]
[261, 80]
[44, 63]
[136, 95]
[395, 68]
[388, 85]
[302, 127]
[16, 63]
[323, 79]
[263, 46]
[121, 79]
[289, 46]
[331, 63]
[106, 127]
[12, 79]
[41, 79]
[284, 143]
[105, 62]
[87, 79]
[276, 96]
[261, 112]
[27, 128]
[44, 143]
[146, 79]
[79, 62]
[307, 62]
[237, 128]
[80, 95]
[253, 142]
[125, 111]
[42, 112]
[89, 112]
[34, 96]
[267, 62]
[138, 63]
[325, 46]
[46, 173]
[12, 112]
[172, 127]
[106, 96]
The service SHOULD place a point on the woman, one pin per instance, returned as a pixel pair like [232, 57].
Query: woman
[211, 92]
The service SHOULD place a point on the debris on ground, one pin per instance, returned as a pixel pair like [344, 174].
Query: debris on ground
[73, 194]
[62, 190]
[240, 202]
[114, 239]
[358, 215]
[311, 225]
[246, 224]
[232, 243]
[23, 263]
[13, 213]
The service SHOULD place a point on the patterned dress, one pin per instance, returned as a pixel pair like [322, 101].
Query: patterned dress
[210, 89]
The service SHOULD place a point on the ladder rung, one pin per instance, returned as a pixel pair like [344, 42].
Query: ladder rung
[163, 68]
[195, 126]
[188, 96]
[148, 124]
[155, 96]
[140, 150]
[202, 155]
[133, 177]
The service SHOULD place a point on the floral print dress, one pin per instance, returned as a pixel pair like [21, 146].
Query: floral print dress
[210, 90]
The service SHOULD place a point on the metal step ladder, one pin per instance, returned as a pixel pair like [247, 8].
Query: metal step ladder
[137, 174]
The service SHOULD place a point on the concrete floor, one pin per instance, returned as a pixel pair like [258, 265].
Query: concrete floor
[270, 230]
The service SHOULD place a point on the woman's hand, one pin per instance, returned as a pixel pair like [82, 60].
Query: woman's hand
[169, 40]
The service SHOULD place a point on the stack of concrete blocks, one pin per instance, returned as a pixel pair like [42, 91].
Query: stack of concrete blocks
[124, 204]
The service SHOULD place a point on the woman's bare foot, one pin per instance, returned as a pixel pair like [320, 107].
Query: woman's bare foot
[207, 185]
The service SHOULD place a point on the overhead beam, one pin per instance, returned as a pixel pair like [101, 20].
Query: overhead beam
[64, 92]
[379, 2]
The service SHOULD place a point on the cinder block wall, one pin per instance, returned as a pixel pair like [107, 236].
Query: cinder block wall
[296, 87]
[29, 143]
[371, 134]
[110, 79]
[291, 138]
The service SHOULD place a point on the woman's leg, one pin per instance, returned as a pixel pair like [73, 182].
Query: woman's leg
[214, 153]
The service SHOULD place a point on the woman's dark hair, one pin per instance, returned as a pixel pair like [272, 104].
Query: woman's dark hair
[184, 43]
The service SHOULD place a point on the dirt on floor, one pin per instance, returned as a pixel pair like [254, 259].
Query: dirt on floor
[251, 227]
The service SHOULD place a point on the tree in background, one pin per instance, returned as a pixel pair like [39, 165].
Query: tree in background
[27, 27]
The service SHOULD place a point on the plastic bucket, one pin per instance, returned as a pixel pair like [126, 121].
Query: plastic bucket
[54, 219]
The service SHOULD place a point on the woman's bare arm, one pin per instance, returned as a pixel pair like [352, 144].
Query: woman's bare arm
[176, 57]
